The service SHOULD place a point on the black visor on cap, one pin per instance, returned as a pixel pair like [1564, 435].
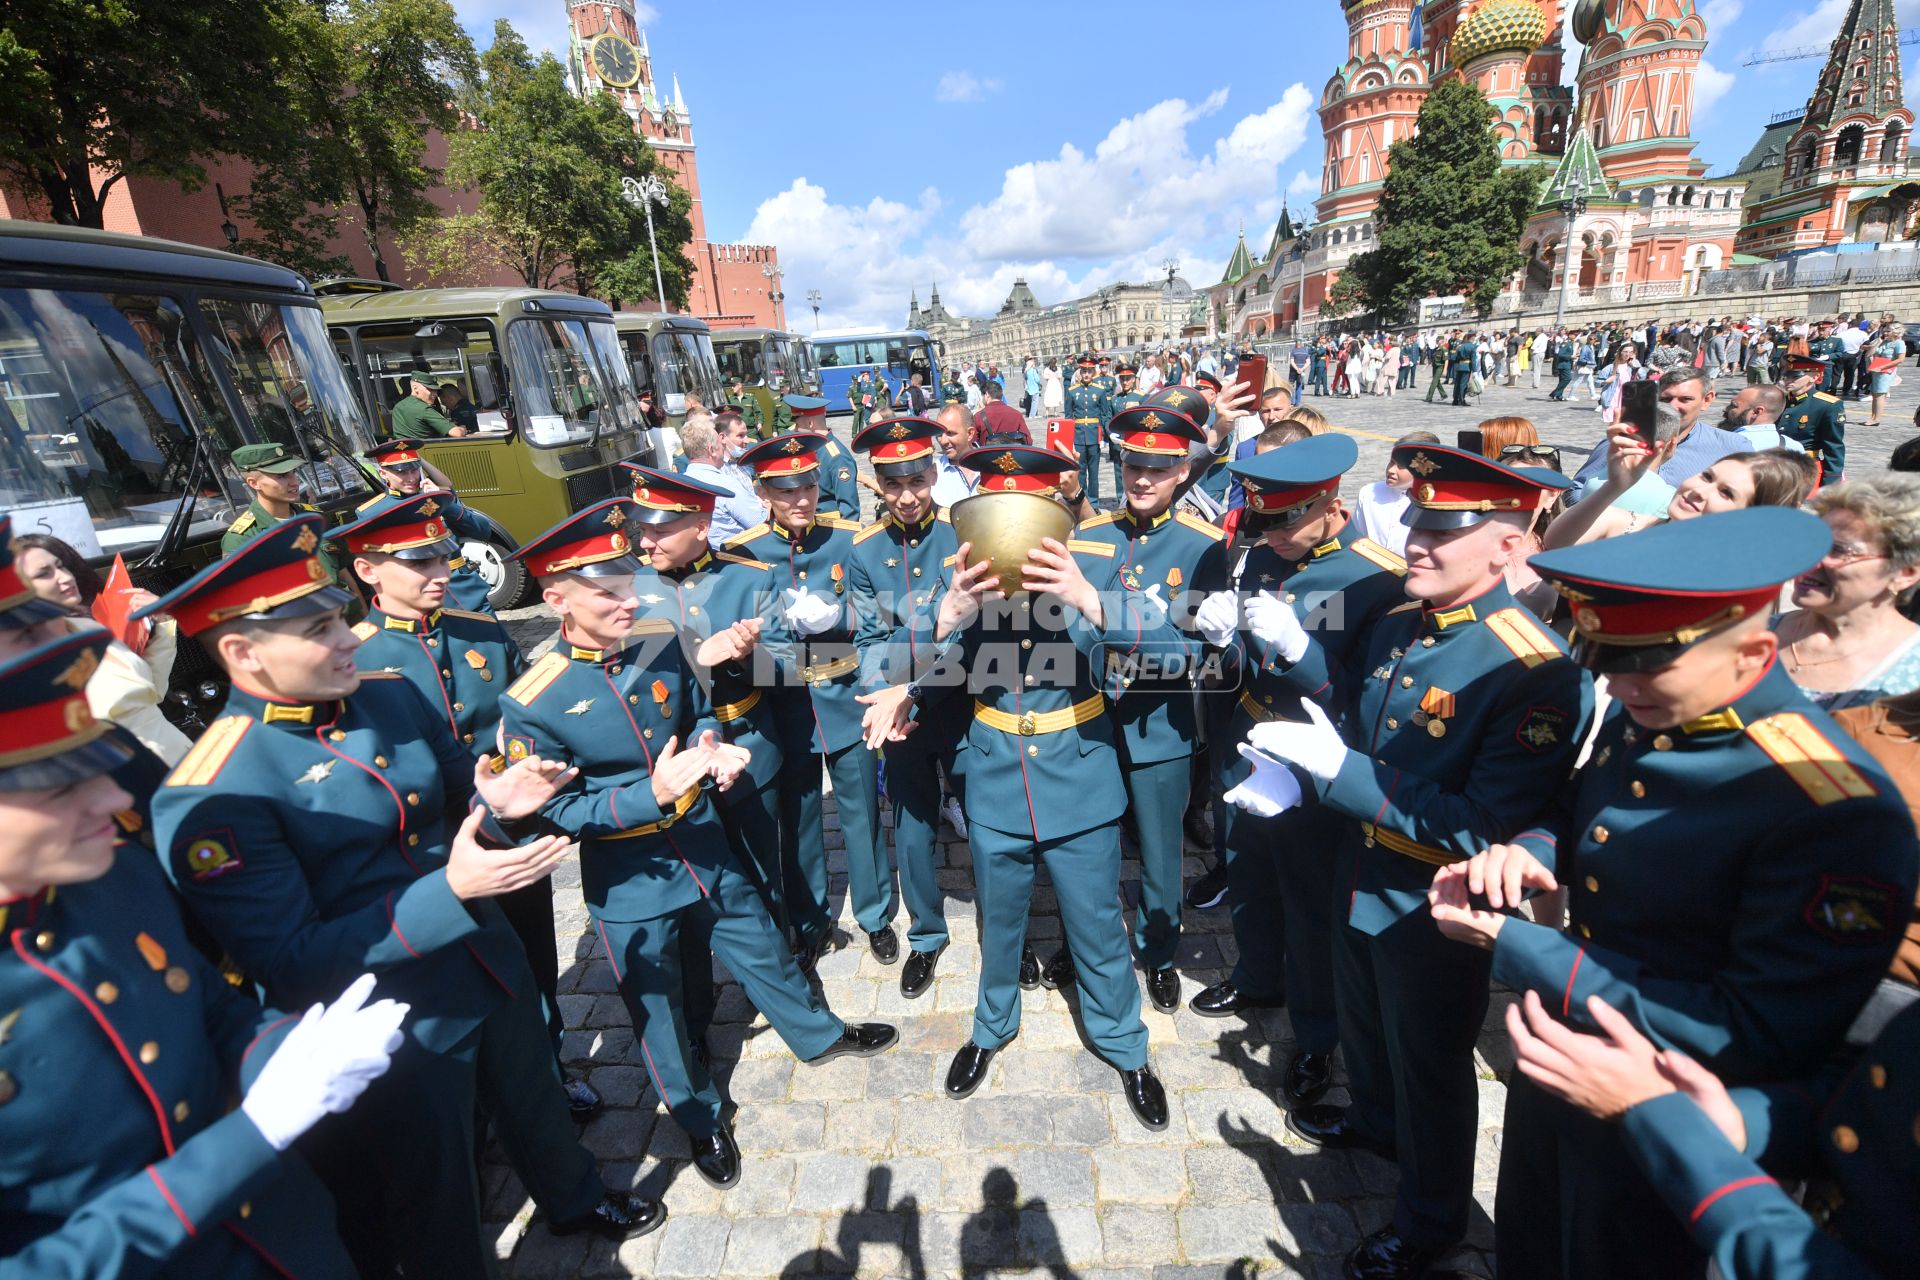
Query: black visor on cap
[1153, 461]
[327, 597]
[909, 467]
[1419, 517]
[618, 567]
[797, 480]
[103, 754]
[446, 547]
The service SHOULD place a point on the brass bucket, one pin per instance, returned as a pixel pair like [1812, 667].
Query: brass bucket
[1005, 527]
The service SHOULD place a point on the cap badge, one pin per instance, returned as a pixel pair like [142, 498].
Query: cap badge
[791, 446]
[1426, 493]
[1586, 619]
[615, 518]
[429, 508]
[1152, 440]
[618, 542]
[306, 541]
[1423, 465]
[76, 676]
[898, 431]
[1007, 463]
[1151, 421]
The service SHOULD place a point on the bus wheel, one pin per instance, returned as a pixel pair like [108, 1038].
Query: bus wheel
[510, 586]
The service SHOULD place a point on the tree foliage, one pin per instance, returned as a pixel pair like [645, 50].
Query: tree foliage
[545, 168]
[96, 91]
[1450, 215]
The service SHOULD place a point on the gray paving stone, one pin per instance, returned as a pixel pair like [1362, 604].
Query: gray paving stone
[692, 1245]
[1056, 1237]
[1061, 1178]
[830, 1183]
[1222, 1233]
[765, 1186]
[1134, 1234]
[543, 1255]
[764, 1246]
[1140, 1175]
[1005, 1121]
[789, 1127]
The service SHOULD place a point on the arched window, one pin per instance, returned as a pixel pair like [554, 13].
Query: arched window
[1673, 196]
[1892, 144]
[1647, 196]
[1687, 197]
[1847, 148]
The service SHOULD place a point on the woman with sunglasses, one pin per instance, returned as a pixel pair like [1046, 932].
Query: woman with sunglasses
[1846, 643]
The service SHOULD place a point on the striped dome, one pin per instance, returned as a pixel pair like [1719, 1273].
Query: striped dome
[1499, 26]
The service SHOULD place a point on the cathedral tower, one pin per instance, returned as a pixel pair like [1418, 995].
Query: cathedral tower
[1636, 83]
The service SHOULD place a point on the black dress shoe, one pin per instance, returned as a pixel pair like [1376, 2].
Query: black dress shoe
[807, 954]
[1325, 1125]
[1145, 1098]
[583, 1100]
[1308, 1076]
[620, 1215]
[1163, 988]
[1029, 969]
[859, 1040]
[1223, 1000]
[1385, 1256]
[917, 976]
[1059, 971]
[717, 1159]
[886, 947]
[968, 1069]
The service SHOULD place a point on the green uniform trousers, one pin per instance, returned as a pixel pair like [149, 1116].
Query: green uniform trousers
[753, 830]
[529, 909]
[913, 785]
[1280, 891]
[1085, 869]
[1157, 794]
[658, 961]
[803, 844]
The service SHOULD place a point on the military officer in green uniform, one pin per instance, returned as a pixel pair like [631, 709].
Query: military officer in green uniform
[403, 473]
[839, 473]
[867, 396]
[272, 473]
[1462, 715]
[1816, 419]
[123, 1048]
[321, 827]
[1739, 871]
[415, 418]
[1090, 410]
[722, 607]
[619, 699]
[1168, 555]
[460, 661]
[1103, 378]
[1280, 868]
[1127, 393]
[814, 703]
[1043, 774]
[1827, 348]
[899, 563]
[753, 413]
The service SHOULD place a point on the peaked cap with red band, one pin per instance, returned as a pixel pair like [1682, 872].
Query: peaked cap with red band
[412, 527]
[1286, 481]
[278, 574]
[592, 543]
[1016, 468]
[1155, 436]
[900, 446]
[786, 461]
[661, 497]
[1453, 488]
[395, 453]
[48, 736]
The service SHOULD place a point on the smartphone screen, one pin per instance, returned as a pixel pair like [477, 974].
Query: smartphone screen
[1639, 403]
[1470, 440]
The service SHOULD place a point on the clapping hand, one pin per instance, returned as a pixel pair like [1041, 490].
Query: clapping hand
[1502, 875]
[523, 788]
[1270, 790]
[888, 716]
[729, 645]
[1315, 746]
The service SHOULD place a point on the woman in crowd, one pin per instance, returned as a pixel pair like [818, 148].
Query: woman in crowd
[1625, 367]
[1497, 433]
[127, 687]
[1053, 395]
[1846, 642]
[1377, 508]
[1890, 348]
[1770, 478]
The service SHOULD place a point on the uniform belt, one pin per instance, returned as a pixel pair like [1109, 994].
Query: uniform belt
[1260, 712]
[734, 710]
[1372, 835]
[828, 670]
[1086, 419]
[458, 562]
[1029, 723]
[679, 811]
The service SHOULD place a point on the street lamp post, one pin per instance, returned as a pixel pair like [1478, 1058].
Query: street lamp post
[813, 300]
[772, 272]
[643, 192]
[1573, 203]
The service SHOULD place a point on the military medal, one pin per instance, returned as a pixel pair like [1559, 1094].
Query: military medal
[152, 952]
[839, 578]
[660, 697]
[177, 980]
[1436, 704]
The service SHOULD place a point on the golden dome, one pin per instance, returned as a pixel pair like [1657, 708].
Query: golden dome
[1499, 26]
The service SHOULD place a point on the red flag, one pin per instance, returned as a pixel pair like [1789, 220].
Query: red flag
[115, 602]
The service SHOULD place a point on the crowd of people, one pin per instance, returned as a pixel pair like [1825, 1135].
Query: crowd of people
[1634, 743]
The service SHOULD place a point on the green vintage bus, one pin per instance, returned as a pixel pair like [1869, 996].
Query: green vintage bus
[547, 380]
[770, 362]
[669, 356]
[130, 368]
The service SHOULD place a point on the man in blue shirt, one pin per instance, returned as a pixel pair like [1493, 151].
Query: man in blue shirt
[712, 457]
[1698, 445]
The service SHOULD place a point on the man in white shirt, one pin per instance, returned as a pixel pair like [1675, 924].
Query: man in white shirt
[1754, 412]
[712, 445]
[1151, 379]
[1542, 352]
[1847, 379]
[952, 483]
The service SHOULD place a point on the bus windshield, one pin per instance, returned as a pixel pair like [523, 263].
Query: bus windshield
[569, 381]
[683, 362]
[106, 392]
[740, 358]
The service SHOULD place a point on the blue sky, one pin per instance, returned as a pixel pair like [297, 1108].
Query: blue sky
[882, 147]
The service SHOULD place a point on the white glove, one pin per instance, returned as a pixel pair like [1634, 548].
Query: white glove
[1157, 612]
[1270, 790]
[1217, 618]
[1315, 747]
[810, 613]
[324, 1064]
[1273, 622]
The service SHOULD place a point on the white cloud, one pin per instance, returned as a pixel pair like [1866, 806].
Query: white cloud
[1815, 27]
[1146, 194]
[1303, 184]
[963, 86]
[1709, 84]
[1720, 14]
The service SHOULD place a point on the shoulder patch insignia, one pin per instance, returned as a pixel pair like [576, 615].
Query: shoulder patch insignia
[1854, 909]
[1815, 764]
[1098, 522]
[1195, 523]
[1090, 547]
[745, 536]
[730, 558]
[1385, 557]
[203, 763]
[212, 855]
[1530, 642]
[365, 630]
[475, 614]
[537, 678]
[868, 532]
[1542, 728]
[652, 627]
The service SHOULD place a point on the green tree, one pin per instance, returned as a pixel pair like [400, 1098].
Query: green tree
[546, 168]
[1450, 215]
[96, 91]
[361, 85]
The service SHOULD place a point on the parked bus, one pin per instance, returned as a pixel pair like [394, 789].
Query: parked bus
[545, 376]
[671, 356]
[843, 353]
[771, 363]
[130, 368]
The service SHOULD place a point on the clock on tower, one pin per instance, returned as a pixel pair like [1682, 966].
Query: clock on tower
[615, 61]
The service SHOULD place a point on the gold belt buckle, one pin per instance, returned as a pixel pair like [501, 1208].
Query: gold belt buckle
[806, 673]
[667, 821]
[1027, 725]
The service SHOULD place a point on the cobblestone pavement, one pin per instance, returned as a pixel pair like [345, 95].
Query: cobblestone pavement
[863, 1167]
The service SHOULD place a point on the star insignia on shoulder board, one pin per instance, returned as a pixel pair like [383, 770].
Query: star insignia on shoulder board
[650, 598]
[317, 772]
[580, 708]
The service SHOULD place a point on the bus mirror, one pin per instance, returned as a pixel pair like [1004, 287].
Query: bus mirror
[485, 393]
[441, 331]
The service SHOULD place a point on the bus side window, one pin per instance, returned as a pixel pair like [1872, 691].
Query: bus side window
[486, 393]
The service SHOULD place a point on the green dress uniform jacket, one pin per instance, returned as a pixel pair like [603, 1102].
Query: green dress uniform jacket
[460, 661]
[1819, 422]
[1737, 887]
[414, 419]
[1108, 384]
[466, 589]
[122, 1051]
[1126, 400]
[1091, 411]
[755, 416]
[1849, 1129]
